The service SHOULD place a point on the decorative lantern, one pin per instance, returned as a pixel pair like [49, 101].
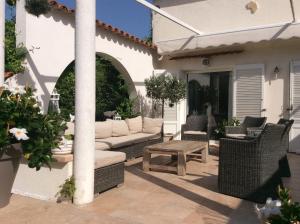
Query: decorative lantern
[54, 102]
[117, 117]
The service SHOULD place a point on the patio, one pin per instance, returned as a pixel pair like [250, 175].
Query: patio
[152, 197]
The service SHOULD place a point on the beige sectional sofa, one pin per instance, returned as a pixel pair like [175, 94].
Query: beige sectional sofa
[129, 136]
[117, 141]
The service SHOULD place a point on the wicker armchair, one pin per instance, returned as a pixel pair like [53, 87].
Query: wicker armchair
[195, 129]
[249, 122]
[249, 168]
[283, 161]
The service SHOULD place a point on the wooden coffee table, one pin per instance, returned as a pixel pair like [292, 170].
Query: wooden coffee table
[181, 149]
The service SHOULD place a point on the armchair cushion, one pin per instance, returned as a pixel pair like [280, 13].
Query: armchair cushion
[195, 133]
[196, 122]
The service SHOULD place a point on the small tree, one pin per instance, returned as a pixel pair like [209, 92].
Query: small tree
[165, 88]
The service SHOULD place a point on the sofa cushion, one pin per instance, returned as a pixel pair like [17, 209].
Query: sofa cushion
[152, 125]
[70, 128]
[101, 145]
[135, 125]
[107, 158]
[122, 141]
[119, 128]
[103, 129]
[195, 133]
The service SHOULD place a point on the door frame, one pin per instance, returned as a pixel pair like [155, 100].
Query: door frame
[291, 80]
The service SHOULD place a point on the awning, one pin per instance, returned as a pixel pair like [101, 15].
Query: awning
[229, 38]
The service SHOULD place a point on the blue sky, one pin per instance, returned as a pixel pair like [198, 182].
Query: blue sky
[127, 15]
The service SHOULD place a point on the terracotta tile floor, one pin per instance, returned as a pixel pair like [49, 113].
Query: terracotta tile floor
[150, 198]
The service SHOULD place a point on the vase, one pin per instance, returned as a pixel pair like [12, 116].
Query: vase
[9, 163]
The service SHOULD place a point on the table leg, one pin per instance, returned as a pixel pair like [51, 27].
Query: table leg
[181, 166]
[205, 154]
[146, 161]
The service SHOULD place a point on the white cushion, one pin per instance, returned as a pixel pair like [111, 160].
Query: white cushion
[119, 128]
[195, 133]
[101, 145]
[70, 128]
[117, 142]
[239, 136]
[103, 129]
[152, 125]
[107, 158]
[135, 125]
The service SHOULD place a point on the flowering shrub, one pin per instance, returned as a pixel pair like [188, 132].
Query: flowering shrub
[281, 211]
[21, 121]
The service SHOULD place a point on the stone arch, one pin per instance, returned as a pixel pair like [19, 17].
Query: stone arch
[124, 73]
[132, 93]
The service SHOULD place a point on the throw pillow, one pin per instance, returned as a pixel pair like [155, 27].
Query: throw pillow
[103, 129]
[119, 128]
[135, 125]
[152, 125]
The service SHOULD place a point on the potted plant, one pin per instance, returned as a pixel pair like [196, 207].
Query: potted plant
[165, 89]
[24, 131]
[281, 211]
[67, 190]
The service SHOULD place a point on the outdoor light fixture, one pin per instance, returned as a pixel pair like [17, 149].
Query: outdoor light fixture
[54, 102]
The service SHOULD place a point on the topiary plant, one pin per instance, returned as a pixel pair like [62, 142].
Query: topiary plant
[165, 88]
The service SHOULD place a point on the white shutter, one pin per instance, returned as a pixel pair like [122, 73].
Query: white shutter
[295, 105]
[248, 91]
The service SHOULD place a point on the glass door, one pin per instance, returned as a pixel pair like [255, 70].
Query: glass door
[210, 88]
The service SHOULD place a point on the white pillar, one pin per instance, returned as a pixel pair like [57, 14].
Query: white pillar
[84, 152]
[2, 37]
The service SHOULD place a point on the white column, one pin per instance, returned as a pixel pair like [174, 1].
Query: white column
[84, 152]
[2, 37]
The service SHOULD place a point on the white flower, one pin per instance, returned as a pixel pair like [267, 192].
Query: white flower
[72, 118]
[6, 86]
[18, 90]
[19, 133]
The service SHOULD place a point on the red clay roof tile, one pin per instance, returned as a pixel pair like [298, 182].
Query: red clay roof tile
[54, 4]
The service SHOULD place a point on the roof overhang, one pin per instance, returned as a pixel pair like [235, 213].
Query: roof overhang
[228, 39]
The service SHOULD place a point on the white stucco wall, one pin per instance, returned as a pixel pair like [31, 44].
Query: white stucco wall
[50, 41]
[211, 16]
[276, 88]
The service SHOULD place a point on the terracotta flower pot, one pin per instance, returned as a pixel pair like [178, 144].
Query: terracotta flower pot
[9, 163]
[8, 74]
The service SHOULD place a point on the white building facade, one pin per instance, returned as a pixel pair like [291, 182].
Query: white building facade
[245, 61]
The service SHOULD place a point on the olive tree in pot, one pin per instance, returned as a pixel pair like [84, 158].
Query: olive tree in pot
[164, 89]
[24, 131]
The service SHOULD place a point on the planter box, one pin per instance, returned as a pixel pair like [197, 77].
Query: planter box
[43, 184]
[9, 164]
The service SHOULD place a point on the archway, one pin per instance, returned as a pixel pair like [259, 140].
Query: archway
[115, 90]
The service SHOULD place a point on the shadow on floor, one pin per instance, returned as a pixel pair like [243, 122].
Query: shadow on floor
[199, 199]
[204, 180]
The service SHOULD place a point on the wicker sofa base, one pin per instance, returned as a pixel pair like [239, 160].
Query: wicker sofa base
[108, 177]
[136, 150]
